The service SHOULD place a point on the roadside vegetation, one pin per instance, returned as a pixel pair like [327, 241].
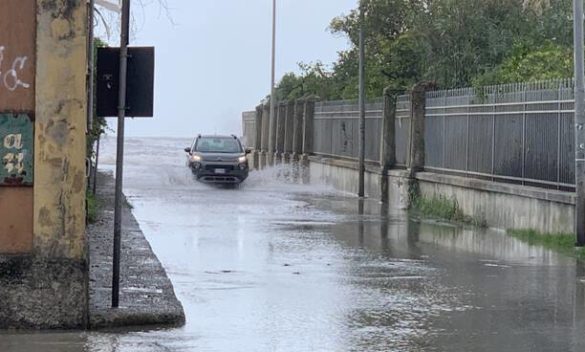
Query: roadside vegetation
[560, 242]
[92, 207]
[454, 43]
[443, 208]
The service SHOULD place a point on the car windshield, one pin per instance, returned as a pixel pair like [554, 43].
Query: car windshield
[218, 145]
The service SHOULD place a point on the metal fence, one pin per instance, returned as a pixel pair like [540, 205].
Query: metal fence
[249, 128]
[520, 133]
[336, 129]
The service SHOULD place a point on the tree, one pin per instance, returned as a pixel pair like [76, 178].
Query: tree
[455, 43]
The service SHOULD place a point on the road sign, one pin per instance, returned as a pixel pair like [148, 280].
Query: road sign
[140, 90]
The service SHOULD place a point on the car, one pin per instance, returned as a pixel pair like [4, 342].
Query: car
[218, 159]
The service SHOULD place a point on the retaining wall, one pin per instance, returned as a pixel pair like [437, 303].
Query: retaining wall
[499, 205]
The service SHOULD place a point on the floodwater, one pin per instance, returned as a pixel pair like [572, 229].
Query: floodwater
[277, 266]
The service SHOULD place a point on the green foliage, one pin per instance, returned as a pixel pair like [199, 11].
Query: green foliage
[92, 207]
[454, 43]
[99, 123]
[561, 242]
[526, 65]
[314, 79]
[443, 208]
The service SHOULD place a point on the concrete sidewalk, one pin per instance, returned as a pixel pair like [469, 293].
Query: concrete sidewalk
[146, 293]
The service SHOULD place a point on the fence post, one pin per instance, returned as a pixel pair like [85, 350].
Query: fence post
[273, 115]
[289, 132]
[308, 116]
[388, 142]
[280, 132]
[416, 160]
[265, 135]
[258, 141]
[297, 146]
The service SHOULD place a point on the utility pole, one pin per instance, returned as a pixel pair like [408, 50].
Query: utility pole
[272, 115]
[579, 122]
[91, 66]
[362, 106]
[124, 35]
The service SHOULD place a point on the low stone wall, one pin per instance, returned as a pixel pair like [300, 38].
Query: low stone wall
[501, 205]
[498, 205]
[344, 174]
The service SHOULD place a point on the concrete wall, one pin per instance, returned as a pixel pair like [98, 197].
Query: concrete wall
[504, 206]
[343, 175]
[47, 287]
[500, 205]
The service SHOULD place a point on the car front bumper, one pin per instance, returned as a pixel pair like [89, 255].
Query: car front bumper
[220, 173]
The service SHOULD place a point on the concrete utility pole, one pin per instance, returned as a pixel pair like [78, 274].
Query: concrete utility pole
[91, 66]
[579, 122]
[362, 106]
[124, 34]
[272, 115]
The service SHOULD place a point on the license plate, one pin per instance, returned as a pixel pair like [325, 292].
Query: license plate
[220, 171]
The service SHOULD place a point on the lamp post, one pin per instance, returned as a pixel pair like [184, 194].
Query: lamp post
[362, 105]
[272, 114]
[579, 122]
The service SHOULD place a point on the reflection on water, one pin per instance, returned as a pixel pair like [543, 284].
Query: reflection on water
[288, 267]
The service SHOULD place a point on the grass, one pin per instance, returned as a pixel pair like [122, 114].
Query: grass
[92, 207]
[560, 242]
[444, 208]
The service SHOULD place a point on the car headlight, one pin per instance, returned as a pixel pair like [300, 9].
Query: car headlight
[196, 158]
[242, 159]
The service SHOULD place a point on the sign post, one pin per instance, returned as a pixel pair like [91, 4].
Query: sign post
[120, 152]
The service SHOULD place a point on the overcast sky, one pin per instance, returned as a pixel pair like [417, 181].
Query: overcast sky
[213, 58]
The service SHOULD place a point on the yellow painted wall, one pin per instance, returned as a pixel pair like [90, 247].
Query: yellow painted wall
[60, 149]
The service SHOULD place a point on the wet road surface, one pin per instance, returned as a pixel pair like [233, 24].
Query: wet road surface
[274, 266]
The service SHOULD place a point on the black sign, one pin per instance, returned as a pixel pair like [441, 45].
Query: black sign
[140, 89]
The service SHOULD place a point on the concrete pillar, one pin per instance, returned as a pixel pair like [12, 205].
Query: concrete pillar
[265, 136]
[388, 147]
[45, 285]
[308, 116]
[272, 134]
[416, 160]
[265, 127]
[280, 131]
[298, 129]
[289, 131]
[258, 141]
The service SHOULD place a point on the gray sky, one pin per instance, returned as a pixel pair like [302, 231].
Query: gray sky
[213, 62]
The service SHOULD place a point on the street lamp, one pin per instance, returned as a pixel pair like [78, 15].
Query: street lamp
[362, 105]
[579, 122]
[272, 79]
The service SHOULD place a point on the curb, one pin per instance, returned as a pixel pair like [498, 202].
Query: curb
[147, 296]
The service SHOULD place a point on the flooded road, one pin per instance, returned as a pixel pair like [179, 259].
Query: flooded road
[275, 266]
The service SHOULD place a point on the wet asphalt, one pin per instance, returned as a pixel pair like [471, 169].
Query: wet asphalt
[277, 266]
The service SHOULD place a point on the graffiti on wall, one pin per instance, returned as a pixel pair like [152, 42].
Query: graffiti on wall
[17, 55]
[9, 72]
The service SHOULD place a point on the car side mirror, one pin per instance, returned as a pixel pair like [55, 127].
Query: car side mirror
[188, 150]
[248, 150]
